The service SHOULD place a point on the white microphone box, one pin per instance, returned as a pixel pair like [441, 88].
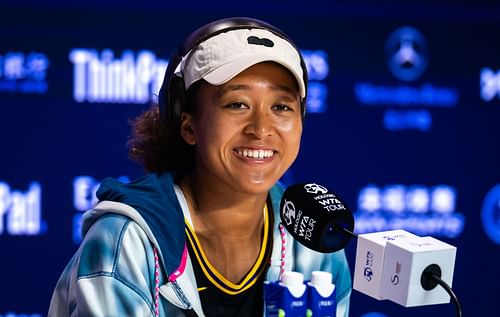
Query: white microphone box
[406, 260]
[370, 253]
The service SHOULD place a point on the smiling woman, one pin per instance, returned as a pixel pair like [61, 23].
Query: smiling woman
[197, 235]
[253, 134]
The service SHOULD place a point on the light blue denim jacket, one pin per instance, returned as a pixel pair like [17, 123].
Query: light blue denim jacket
[113, 271]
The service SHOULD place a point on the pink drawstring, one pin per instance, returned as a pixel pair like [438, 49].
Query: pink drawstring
[283, 249]
[157, 284]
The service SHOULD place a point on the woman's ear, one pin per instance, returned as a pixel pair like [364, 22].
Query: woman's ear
[187, 131]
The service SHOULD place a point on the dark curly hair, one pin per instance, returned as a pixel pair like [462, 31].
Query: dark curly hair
[159, 147]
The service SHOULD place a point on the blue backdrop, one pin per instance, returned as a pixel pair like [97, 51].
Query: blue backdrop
[403, 123]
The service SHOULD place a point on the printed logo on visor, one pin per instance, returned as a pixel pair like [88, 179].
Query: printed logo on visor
[260, 41]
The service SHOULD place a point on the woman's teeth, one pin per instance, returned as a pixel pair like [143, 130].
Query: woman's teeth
[261, 154]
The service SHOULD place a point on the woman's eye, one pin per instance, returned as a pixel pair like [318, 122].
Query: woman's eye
[282, 108]
[237, 105]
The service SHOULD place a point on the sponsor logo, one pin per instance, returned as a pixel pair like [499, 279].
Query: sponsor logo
[407, 104]
[368, 271]
[23, 73]
[394, 237]
[297, 303]
[326, 303]
[395, 277]
[330, 202]
[490, 214]
[316, 97]
[317, 71]
[306, 227]
[102, 78]
[288, 212]
[406, 53]
[419, 209]
[260, 41]
[84, 198]
[490, 84]
[21, 212]
[303, 226]
[315, 188]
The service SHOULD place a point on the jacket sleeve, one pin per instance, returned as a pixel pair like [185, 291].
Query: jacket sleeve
[307, 260]
[112, 273]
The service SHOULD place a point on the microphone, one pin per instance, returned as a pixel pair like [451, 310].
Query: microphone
[395, 265]
[316, 217]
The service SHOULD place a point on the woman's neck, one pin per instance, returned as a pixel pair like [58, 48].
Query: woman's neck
[228, 224]
[222, 208]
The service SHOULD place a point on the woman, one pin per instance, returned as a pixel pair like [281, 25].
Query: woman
[197, 235]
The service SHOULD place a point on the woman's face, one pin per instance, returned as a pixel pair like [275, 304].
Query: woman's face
[246, 132]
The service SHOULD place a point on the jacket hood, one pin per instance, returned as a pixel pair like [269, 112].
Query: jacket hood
[153, 197]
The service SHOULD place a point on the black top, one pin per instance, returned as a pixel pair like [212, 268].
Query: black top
[220, 297]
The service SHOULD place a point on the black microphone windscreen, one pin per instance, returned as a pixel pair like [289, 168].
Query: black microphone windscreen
[315, 216]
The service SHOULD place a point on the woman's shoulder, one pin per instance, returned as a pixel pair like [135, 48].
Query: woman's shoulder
[112, 239]
[113, 258]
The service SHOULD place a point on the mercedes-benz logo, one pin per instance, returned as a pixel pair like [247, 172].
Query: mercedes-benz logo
[406, 53]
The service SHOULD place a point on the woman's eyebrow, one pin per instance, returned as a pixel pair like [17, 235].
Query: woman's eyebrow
[233, 87]
[229, 88]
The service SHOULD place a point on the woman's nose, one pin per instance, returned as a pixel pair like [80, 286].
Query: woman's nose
[260, 124]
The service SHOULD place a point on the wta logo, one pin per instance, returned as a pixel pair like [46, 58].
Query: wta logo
[315, 188]
[368, 271]
[490, 214]
[288, 212]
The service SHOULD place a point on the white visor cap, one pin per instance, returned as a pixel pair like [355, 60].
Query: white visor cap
[221, 57]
